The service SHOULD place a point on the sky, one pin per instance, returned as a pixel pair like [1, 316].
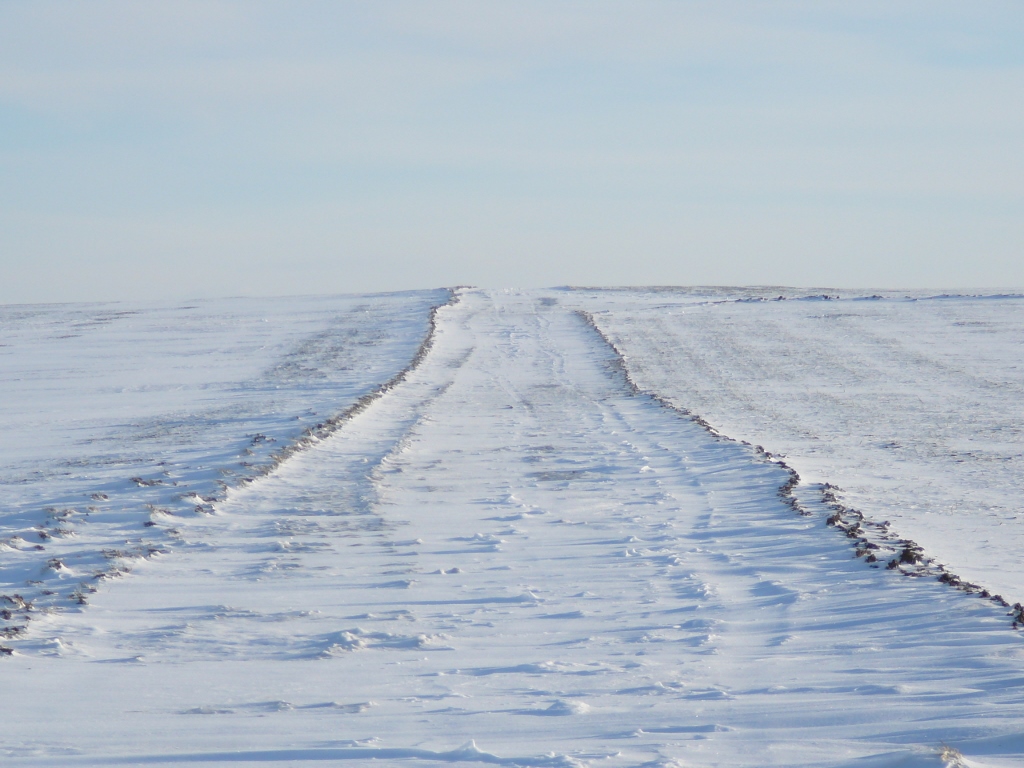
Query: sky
[153, 150]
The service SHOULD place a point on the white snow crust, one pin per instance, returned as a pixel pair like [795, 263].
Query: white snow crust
[512, 557]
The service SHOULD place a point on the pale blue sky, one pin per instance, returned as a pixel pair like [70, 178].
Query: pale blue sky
[171, 150]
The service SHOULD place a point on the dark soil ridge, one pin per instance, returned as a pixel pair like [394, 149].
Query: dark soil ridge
[872, 541]
[17, 610]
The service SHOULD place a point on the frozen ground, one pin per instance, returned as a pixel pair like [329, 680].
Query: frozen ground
[912, 405]
[512, 558]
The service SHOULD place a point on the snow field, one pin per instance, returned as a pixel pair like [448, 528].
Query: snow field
[513, 552]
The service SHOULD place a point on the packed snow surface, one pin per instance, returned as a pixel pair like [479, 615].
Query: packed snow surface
[512, 556]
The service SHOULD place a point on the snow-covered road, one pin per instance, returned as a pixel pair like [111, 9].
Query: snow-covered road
[513, 549]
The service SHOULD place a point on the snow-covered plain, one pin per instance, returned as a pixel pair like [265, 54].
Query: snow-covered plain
[510, 557]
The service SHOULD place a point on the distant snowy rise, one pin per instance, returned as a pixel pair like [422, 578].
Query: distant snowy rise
[912, 404]
[116, 415]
